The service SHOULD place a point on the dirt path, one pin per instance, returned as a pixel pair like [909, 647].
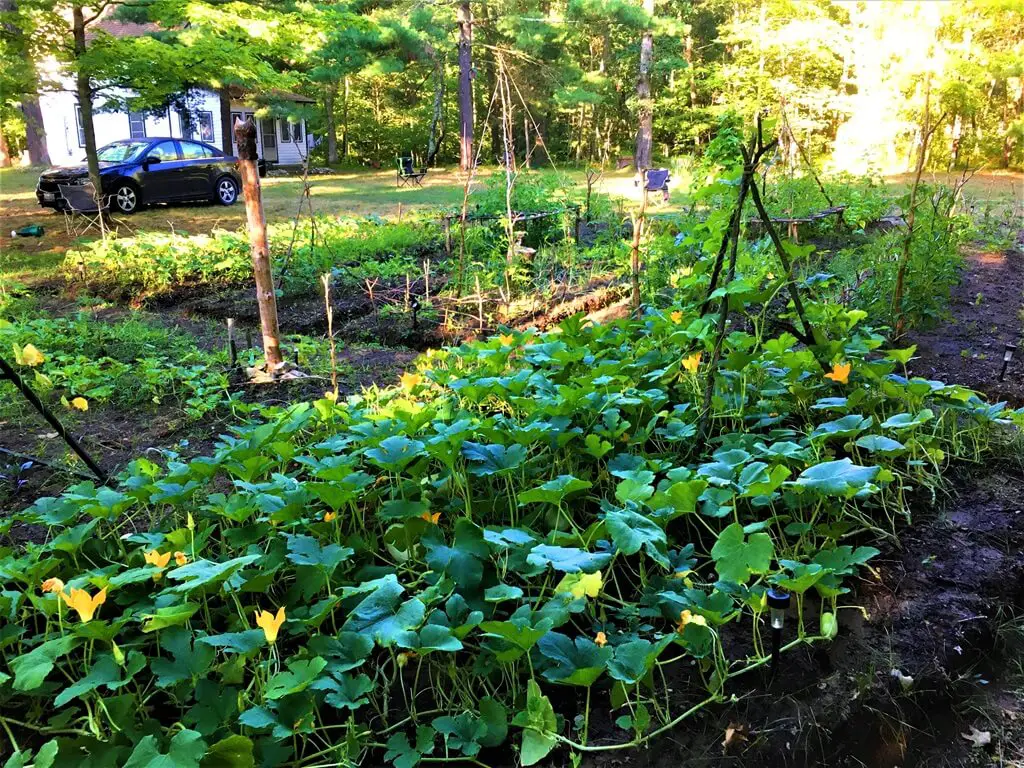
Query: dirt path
[986, 314]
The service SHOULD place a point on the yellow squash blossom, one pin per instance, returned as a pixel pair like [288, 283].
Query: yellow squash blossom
[160, 561]
[53, 585]
[686, 617]
[28, 355]
[431, 518]
[692, 362]
[410, 381]
[331, 395]
[80, 602]
[328, 516]
[507, 339]
[80, 403]
[840, 372]
[677, 317]
[601, 639]
[180, 558]
[270, 624]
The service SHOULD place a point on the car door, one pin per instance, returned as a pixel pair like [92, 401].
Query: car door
[198, 161]
[162, 174]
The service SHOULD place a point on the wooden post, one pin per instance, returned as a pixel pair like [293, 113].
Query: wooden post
[448, 236]
[399, 211]
[479, 304]
[245, 138]
[426, 279]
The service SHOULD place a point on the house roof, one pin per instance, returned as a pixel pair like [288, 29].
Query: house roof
[240, 94]
[117, 28]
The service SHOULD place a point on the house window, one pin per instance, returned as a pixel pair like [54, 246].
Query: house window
[204, 124]
[269, 137]
[137, 125]
[185, 123]
[80, 125]
[291, 132]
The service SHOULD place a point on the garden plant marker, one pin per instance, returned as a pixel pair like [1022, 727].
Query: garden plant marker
[778, 602]
[1008, 350]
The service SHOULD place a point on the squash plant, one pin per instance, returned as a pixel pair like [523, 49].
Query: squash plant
[523, 531]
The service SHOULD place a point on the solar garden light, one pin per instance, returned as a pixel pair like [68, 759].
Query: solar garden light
[1008, 350]
[778, 602]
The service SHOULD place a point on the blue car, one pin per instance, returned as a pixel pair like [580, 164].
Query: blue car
[138, 172]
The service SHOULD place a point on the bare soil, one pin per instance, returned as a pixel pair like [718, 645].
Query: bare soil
[985, 313]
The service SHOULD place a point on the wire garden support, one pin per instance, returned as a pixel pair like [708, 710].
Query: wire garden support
[9, 373]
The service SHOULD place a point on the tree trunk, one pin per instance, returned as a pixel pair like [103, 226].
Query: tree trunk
[35, 135]
[344, 119]
[437, 117]
[645, 116]
[245, 137]
[5, 152]
[225, 119]
[84, 88]
[465, 17]
[332, 128]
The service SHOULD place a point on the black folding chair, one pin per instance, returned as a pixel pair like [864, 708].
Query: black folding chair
[81, 211]
[408, 174]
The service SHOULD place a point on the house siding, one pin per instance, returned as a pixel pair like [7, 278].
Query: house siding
[62, 135]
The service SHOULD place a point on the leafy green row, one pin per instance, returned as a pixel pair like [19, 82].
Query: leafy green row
[152, 263]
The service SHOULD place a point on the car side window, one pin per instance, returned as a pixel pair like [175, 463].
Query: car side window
[165, 150]
[192, 151]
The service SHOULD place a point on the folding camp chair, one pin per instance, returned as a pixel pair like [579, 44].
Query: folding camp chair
[81, 213]
[407, 173]
[656, 180]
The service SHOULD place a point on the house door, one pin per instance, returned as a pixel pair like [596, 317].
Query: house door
[244, 115]
[268, 127]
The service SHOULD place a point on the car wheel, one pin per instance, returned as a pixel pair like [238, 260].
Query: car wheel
[226, 191]
[126, 198]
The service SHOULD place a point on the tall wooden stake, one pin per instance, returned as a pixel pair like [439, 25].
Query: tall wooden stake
[245, 138]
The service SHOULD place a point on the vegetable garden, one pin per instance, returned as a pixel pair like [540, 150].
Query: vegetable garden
[538, 546]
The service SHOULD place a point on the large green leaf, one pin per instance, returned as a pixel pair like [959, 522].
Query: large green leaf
[567, 559]
[737, 557]
[383, 616]
[464, 559]
[493, 459]
[31, 669]
[631, 531]
[836, 478]
[538, 723]
[300, 675]
[185, 751]
[187, 661]
[578, 662]
[554, 491]
[204, 572]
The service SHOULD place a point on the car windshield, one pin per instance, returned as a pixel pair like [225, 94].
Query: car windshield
[120, 151]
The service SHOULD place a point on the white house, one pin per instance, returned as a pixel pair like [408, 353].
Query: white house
[278, 140]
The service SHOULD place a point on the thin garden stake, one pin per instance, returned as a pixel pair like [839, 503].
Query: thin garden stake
[326, 280]
[53, 421]
[232, 349]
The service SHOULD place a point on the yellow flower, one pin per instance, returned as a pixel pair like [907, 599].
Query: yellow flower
[270, 624]
[160, 561]
[331, 395]
[155, 558]
[692, 362]
[53, 585]
[677, 317]
[328, 516]
[840, 372]
[410, 381]
[80, 403]
[28, 355]
[686, 617]
[84, 605]
[431, 518]
[507, 339]
[601, 639]
[403, 658]
[181, 558]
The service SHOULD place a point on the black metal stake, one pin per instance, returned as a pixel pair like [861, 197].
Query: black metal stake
[232, 349]
[415, 306]
[778, 602]
[53, 421]
[1008, 350]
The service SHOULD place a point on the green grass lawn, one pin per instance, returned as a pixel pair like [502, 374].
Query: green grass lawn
[351, 193]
